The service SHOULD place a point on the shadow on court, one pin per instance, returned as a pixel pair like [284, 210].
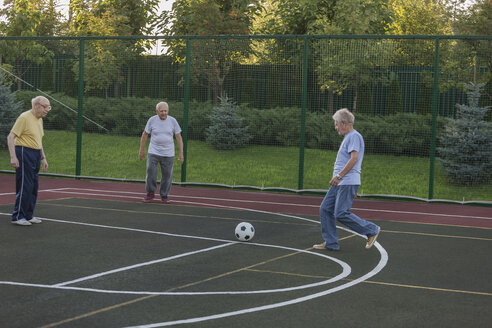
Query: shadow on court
[101, 263]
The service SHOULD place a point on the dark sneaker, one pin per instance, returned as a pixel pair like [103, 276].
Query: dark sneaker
[165, 199]
[372, 239]
[149, 197]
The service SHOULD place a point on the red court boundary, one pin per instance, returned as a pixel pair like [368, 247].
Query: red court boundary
[419, 212]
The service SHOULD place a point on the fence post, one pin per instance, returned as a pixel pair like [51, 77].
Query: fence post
[80, 106]
[186, 107]
[300, 184]
[435, 93]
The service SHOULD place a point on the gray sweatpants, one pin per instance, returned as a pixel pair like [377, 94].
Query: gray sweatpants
[166, 164]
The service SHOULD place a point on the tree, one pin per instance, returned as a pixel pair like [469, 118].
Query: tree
[211, 58]
[466, 143]
[339, 64]
[394, 103]
[423, 17]
[474, 20]
[471, 55]
[226, 131]
[105, 59]
[418, 17]
[342, 64]
[24, 18]
[9, 110]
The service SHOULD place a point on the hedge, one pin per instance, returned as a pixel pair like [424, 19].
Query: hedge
[399, 134]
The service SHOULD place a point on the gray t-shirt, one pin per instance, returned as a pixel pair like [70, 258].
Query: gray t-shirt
[162, 135]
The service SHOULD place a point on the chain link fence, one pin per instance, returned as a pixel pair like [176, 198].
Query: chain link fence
[403, 91]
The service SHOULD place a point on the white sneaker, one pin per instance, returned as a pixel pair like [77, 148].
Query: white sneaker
[35, 220]
[22, 222]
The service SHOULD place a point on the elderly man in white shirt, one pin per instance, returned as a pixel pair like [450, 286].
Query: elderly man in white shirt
[162, 129]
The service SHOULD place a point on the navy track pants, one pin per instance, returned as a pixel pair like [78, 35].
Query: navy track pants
[26, 182]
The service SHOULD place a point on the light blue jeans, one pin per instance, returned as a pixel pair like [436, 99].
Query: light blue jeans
[166, 164]
[336, 206]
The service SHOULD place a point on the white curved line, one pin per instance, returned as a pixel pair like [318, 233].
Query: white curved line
[382, 263]
[346, 270]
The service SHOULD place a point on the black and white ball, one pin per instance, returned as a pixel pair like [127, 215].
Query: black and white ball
[245, 231]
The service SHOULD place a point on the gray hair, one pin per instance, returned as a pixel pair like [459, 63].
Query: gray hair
[37, 100]
[344, 116]
[162, 103]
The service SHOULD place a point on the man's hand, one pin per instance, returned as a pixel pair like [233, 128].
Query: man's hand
[141, 154]
[14, 162]
[44, 164]
[334, 181]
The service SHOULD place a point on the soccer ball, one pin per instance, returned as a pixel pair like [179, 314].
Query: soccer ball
[244, 231]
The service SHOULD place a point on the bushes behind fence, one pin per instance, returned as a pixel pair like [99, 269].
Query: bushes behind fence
[399, 134]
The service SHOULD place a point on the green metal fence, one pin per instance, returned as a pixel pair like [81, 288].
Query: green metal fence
[400, 88]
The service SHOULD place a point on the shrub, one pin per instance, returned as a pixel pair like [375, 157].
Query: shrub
[400, 134]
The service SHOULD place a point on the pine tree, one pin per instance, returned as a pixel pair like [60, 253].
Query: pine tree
[9, 110]
[466, 143]
[226, 131]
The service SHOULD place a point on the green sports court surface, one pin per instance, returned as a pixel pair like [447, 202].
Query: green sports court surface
[102, 258]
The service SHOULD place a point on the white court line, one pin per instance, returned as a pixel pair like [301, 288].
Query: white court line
[346, 270]
[134, 230]
[180, 196]
[382, 263]
[97, 275]
[111, 193]
[41, 190]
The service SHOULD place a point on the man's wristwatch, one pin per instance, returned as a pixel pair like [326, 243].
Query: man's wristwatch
[339, 177]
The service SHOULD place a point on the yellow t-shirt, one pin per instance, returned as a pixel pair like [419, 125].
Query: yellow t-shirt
[28, 130]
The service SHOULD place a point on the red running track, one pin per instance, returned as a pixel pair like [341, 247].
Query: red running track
[433, 213]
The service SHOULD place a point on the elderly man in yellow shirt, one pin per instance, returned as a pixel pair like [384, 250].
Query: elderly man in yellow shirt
[26, 156]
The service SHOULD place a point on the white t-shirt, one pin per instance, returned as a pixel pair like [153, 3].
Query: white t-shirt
[162, 135]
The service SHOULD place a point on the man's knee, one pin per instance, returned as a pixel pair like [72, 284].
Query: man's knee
[341, 214]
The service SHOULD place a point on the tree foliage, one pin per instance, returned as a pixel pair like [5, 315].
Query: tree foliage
[211, 59]
[417, 17]
[105, 59]
[326, 17]
[25, 18]
[476, 20]
[338, 63]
